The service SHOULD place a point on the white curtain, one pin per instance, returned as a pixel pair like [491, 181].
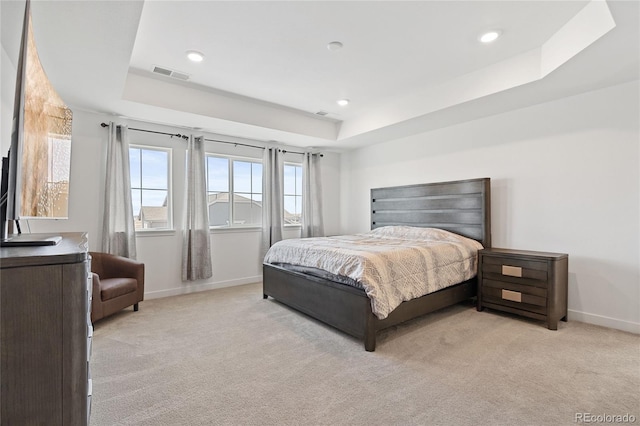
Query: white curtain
[118, 231]
[196, 247]
[272, 198]
[312, 224]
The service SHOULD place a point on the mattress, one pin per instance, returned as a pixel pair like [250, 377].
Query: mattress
[320, 274]
[392, 264]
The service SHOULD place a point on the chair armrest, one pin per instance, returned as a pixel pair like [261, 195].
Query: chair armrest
[96, 298]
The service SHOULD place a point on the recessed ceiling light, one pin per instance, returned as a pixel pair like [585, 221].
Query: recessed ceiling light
[195, 56]
[343, 102]
[490, 36]
[334, 45]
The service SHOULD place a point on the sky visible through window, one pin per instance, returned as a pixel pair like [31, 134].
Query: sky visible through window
[149, 177]
[218, 174]
[247, 176]
[247, 179]
[292, 193]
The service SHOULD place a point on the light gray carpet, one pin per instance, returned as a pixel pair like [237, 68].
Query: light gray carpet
[228, 357]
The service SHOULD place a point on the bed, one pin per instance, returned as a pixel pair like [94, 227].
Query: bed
[461, 207]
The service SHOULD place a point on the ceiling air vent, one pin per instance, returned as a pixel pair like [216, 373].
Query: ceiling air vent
[162, 71]
[170, 73]
[180, 75]
[322, 113]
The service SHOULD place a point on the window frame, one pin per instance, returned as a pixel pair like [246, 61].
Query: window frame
[292, 225]
[170, 224]
[231, 159]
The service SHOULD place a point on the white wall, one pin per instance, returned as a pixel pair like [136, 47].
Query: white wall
[564, 179]
[235, 253]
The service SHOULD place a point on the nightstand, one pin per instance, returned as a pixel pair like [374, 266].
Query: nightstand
[528, 283]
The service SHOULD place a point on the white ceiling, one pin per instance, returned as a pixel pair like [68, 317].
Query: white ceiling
[405, 66]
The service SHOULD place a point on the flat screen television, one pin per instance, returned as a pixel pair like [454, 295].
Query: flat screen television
[35, 173]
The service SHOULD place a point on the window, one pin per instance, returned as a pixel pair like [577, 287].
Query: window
[150, 187]
[54, 199]
[234, 191]
[292, 194]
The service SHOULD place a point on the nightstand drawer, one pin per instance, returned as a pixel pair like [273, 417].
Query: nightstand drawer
[515, 287]
[506, 297]
[515, 270]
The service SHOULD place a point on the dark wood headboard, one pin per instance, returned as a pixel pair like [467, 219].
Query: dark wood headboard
[463, 207]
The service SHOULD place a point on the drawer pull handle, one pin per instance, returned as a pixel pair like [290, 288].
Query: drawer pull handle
[514, 296]
[512, 271]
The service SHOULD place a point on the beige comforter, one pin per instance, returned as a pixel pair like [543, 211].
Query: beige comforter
[393, 263]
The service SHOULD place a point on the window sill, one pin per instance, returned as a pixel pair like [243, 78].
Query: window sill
[155, 232]
[248, 229]
[169, 232]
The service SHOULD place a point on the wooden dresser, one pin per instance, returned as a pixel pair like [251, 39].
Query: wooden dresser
[528, 283]
[45, 338]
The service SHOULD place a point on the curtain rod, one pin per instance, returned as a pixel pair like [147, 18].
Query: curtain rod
[253, 146]
[152, 131]
[235, 143]
[208, 140]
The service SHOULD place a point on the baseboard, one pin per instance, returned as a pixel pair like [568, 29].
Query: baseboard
[194, 288]
[631, 327]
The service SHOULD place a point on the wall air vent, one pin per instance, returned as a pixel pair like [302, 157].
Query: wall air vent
[170, 73]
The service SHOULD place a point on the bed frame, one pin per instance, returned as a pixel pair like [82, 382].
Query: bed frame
[462, 207]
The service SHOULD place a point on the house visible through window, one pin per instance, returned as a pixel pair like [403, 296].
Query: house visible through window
[292, 194]
[234, 191]
[150, 177]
